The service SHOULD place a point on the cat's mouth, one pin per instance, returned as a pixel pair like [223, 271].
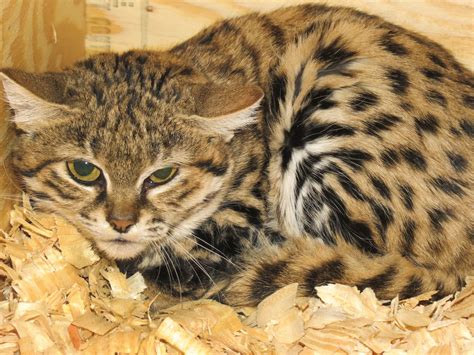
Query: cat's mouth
[120, 248]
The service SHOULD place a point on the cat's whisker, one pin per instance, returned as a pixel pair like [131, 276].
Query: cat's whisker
[192, 258]
[169, 256]
[213, 250]
[196, 263]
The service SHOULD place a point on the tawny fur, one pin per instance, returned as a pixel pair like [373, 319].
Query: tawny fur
[313, 144]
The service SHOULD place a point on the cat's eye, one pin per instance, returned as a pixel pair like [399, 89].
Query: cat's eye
[162, 176]
[83, 171]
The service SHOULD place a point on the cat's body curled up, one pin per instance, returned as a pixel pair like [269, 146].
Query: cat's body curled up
[312, 144]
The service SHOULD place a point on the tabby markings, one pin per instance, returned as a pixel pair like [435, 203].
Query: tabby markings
[363, 101]
[265, 280]
[379, 282]
[390, 45]
[427, 123]
[398, 80]
[413, 288]
[329, 271]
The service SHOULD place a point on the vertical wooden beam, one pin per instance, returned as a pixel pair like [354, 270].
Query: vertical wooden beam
[35, 35]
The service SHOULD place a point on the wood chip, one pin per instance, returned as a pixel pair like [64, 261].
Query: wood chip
[60, 297]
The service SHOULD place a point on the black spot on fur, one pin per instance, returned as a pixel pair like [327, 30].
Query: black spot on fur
[264, 282]
[383, 122]
[334, 52]
[389, 44]
[407, 194]
[406, 106]
[427, 123]
[468, 101]
[398, 80]
[413, 288]
[379, 282]
[437, 60]
[432, 74]
[467, 127]
[381, 187]
[414, 158]
[449, 186]
[458, 162]
[327, 272]
[436, 97]
[390, 157]
[363, 101]
[408, 234]
[384, 215]
[438, 216]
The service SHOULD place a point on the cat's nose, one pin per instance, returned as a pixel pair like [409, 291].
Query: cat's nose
[122, 225]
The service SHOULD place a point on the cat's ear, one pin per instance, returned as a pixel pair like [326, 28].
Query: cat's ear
[222, 110]
[36, 99]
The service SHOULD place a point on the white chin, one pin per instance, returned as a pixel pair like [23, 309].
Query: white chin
[120, 251]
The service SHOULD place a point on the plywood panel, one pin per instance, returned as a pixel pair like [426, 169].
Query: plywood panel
[35, 35]
[119, 25]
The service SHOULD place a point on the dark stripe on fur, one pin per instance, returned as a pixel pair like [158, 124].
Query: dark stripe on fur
[408, 234]
[34, 171]
[380, 282]
[327, 272]
[413, 288]
[264, 283]
[210, 167]
[252, 214]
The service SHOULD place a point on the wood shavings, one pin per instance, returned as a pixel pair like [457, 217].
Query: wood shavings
[60, 297]
[121, 287]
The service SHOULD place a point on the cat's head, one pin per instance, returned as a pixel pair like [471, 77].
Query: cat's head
[133, 149]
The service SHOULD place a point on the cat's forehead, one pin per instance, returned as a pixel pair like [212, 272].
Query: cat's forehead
[126, 106]
[148, 81]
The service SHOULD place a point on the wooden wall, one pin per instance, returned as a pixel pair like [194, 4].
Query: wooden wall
[120, 25]
[35, 35]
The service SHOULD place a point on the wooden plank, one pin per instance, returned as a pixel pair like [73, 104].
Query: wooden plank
[118, 25]
[35, 35]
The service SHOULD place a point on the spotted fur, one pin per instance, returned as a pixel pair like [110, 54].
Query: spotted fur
[355, 166]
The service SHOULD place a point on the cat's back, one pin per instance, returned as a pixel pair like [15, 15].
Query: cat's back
[372, 134]
[369, 127]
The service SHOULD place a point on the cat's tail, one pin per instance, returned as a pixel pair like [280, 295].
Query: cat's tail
[311, 263]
